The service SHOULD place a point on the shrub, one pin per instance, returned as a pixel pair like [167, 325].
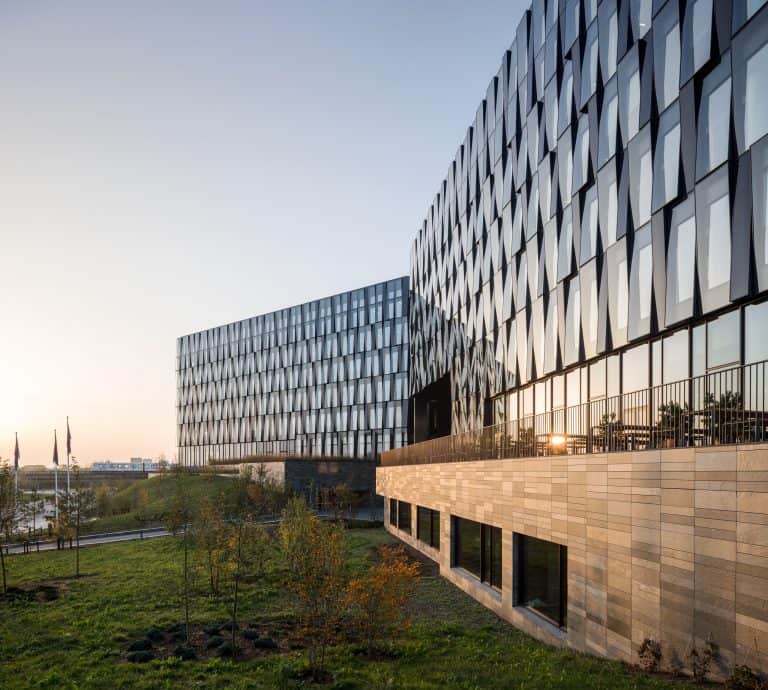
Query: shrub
[650, 655]
[316, 573]
[744, 678]
[702, 660]
[378, 600]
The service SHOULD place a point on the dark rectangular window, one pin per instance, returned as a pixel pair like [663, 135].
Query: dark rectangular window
[404, 516]
[428, 526]
[477, 549]
[541, 577]
[393, 512]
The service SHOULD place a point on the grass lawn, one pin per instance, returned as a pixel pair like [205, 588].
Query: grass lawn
[146, 501]
[79, 640]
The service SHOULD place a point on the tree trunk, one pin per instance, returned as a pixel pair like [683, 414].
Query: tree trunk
[2, 562]
[186, 584]
[77, 545]
[237, 585]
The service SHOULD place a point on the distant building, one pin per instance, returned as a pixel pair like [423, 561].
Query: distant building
[33, 468]
[133, 465]
[328, 378]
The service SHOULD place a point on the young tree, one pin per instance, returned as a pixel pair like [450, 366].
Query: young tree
[8, 513]
[77, 508]
[31, 507]
[248, 546]
[343, 501]
[178, 518]
[265, 495]
[316, 575]
[103, 500]
[211, 536]
[378, 600]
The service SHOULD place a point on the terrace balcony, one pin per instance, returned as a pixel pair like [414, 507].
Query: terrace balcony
[724, 407]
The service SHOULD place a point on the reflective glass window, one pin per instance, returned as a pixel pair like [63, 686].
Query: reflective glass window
[641, 284]
[641, 13]
[572, 10]
[609, 38]
[755, 115]
[581, 154]
[589, 225]
[565, 166]
[699, 350]
[608, 123]
[597, 380]
[550, 111]
[629, 94]
[589, 66]
[618, 292]
[713, 212]
[573, 323]
[541, 577]
[714, 120]
[666, 58]
[565, 251]
[675, 357]
[641, 177]
[608, 204]
[551, 350]
[667, 161]
[635, 369]
[589, 307]
[723, 340]
[760, 210]
[681, 263]
[697, 38]
[756, 333]
[565, 103]
[750, 66]
[467, 545]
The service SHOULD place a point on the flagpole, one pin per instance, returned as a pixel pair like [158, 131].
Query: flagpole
[56, 478]
[68, 452]
[16, 463]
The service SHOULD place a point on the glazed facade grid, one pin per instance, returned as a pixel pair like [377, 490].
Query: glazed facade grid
[611, 189]
[325, 378]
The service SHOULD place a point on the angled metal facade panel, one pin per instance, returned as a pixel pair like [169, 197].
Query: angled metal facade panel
[608, 121]
[325, 378]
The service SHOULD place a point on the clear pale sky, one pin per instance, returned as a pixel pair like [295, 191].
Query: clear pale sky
[170, 166]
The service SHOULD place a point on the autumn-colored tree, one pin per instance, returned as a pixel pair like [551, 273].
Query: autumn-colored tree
[265, 495]
[103, 500]
[139, 497]
[314, 551]
[377, 601]
[8, 513]
[211, 536]
[343, 501]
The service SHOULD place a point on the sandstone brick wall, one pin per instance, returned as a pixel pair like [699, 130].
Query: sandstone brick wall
[670, 544]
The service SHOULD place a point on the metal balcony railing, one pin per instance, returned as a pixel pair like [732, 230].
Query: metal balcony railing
[723, 407]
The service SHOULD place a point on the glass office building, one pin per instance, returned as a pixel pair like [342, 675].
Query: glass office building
[327, 378]
[603, 227]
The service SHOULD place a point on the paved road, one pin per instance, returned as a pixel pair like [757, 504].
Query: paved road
[148, 533]
[92, 539]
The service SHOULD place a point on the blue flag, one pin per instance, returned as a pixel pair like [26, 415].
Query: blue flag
[69, 439]
[55, 450]
[16, 454]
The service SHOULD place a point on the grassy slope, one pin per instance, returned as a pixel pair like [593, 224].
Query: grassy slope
[79, 639]
[158, 492]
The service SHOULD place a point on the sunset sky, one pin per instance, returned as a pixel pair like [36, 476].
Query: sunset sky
[170, 166]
